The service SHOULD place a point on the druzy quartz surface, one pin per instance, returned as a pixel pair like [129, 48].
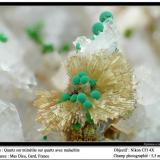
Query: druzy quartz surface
[24, 70]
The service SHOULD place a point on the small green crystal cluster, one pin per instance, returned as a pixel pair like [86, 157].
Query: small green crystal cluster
[80, 97]
[3, 38]
[128, 33]
[78, 46]
[45, 138]
[81, 79]
[35, 33]
[97, 27]
[64, 48]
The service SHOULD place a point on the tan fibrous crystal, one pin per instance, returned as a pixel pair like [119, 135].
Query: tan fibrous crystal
[114, 79]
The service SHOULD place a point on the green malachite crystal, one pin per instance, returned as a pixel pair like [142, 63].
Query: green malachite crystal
[97, 28]
[75, 80]
[3, 38]
[95, 94]
[34, 32]
[76, 126]
[128, 32]
[89, 120]
[78, 95]
[84, 79]
[73, 98]
[78, 46]
[48, 48]
[105, 15]
[45, 138]
[81, 97]
[92, 83]
[65, 97]
[66, 47]
[82, 74]
[87, 104]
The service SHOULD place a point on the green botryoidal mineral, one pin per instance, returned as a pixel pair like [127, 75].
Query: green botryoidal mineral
[78, 46]
[81, 96]
[76, 80]
[95, 94]
[87, 104]
[105, 15]
[65, 48]
[128, 33]
[92, 83]
[84, 79]
[65, 97]
[45, 138]
[97, 28]
[48, 48]
[81, 73]
[35, 33]
[3, 38]
[73, 98]
[76, 126]
[89, 119]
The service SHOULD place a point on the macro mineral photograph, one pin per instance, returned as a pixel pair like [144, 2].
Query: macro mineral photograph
[79, 73]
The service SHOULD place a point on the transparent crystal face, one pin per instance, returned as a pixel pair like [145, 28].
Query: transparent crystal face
[11, 127]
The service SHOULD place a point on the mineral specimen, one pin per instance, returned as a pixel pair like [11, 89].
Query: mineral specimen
[100, 92]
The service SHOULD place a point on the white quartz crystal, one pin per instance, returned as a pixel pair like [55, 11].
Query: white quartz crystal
[148, 84]
[11, 127]
[12, 67]
[132, 125]
[132, 17]
[137, 49]
[151, 128]
[16, 83]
